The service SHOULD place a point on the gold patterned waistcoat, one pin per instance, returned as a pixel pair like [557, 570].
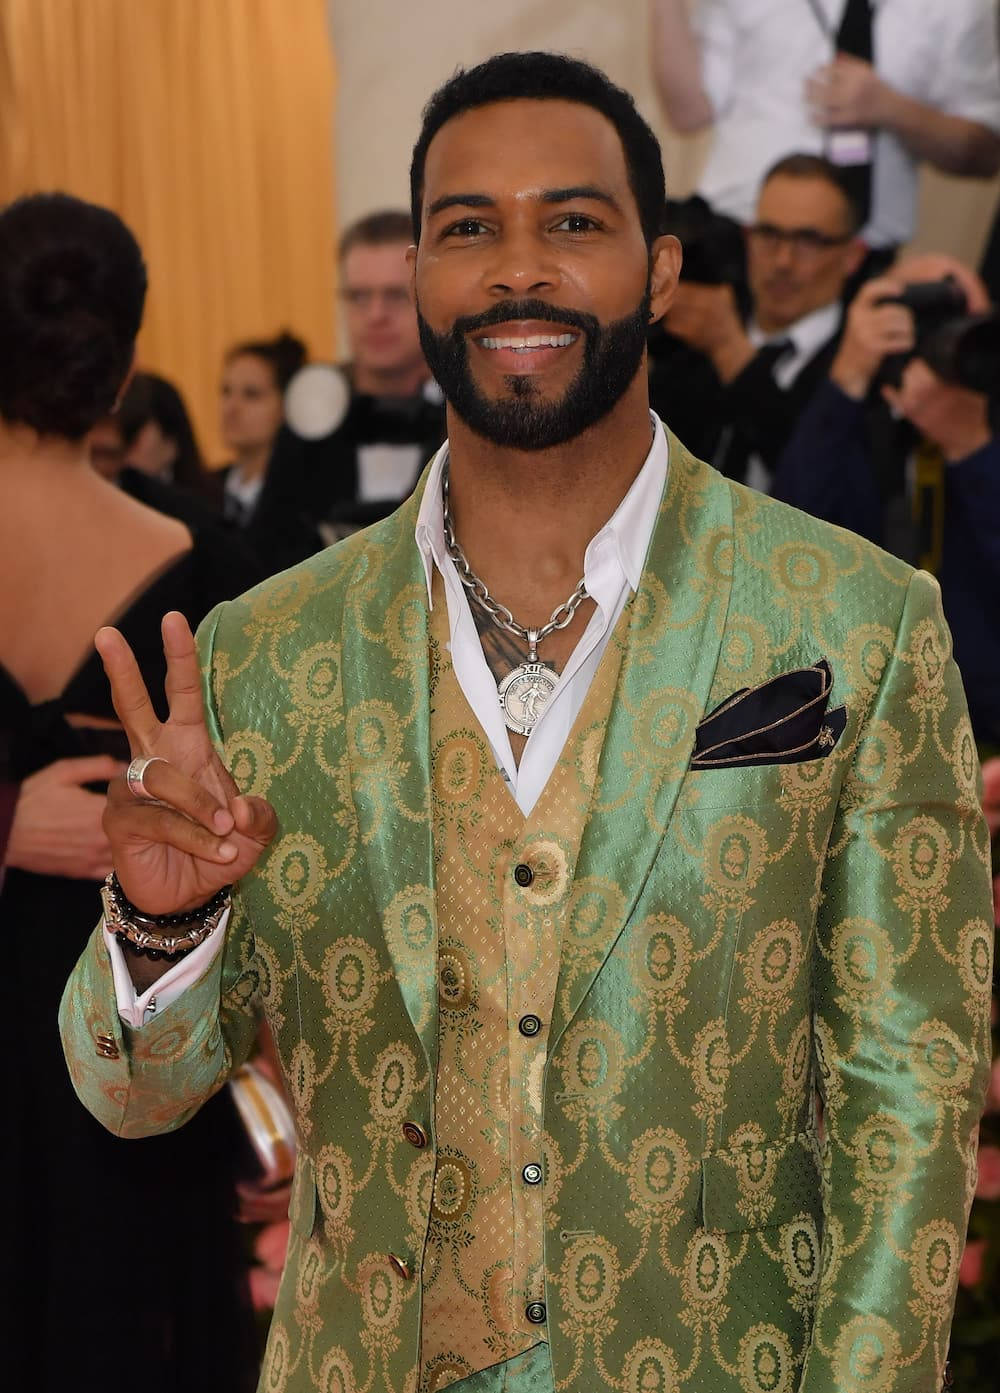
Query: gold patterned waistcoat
[498, 962]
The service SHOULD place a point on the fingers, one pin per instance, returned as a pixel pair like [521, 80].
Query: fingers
[88, 769]
[164, 782]
[183, 685]
[879, 288]
[254, 818]
[128, 691]
[158, 825]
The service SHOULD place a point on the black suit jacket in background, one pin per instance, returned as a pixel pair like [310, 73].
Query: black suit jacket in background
[315, 483]
[727, 423]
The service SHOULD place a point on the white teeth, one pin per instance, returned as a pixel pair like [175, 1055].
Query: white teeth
[536, 341]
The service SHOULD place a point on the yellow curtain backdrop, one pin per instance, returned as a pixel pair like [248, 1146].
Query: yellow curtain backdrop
[207, 125]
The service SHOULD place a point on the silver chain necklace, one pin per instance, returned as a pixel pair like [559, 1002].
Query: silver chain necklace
[525, 692]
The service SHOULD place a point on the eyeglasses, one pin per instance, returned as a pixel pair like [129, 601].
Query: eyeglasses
[805, 241]
[394, 297]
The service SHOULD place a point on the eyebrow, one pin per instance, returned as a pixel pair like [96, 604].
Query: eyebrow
[482, 200]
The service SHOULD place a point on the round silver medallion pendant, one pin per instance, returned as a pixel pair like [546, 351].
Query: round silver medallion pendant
[524, 695]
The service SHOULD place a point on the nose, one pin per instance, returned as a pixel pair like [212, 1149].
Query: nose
[784, 255]
[522, 264]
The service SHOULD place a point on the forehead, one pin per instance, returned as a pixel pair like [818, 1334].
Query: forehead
[383, 264]
[516, 148]
[801, 202]
[248, 368]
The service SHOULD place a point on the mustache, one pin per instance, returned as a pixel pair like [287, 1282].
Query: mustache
[508, 310]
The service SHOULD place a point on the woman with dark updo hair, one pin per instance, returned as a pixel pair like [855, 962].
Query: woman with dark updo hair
[251, 406]
[133, 1239]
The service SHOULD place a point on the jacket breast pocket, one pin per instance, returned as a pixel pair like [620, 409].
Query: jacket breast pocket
[753, 1187]
[760, 785]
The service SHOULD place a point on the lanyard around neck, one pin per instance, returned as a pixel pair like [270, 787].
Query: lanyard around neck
[820, 15]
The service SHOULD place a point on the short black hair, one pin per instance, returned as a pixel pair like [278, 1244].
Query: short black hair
[549, 77]
[379, 229]
[150, 397]
[284, 355]
[799, 165]
[72, 290]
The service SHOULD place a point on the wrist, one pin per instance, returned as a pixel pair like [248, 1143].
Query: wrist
[160, 936]
[886, 106]
[852, 375]
[965, 443]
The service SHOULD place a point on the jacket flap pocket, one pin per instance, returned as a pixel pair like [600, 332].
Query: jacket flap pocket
[302, 1205]
[752, 1186]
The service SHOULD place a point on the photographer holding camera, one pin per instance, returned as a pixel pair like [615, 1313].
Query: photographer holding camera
[733, 390]
[919, 347]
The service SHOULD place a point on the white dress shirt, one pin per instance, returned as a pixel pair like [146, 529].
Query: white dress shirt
[612, 565]
[757, 55]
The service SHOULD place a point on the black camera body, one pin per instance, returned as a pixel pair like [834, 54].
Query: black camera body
[714, 247]
[962, 348]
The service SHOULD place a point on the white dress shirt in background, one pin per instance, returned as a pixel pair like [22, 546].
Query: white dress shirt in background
[612, 566]
[758, 54]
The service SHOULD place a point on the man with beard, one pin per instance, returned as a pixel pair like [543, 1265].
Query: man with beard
[555, 983]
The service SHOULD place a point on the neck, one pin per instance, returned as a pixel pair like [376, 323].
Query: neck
[389, 382]
[252, 461]
[42, 461]
[524, 518]
[770, 326]
[47, 472]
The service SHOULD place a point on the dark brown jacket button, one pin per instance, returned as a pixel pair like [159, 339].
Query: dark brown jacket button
[401, 1266]
[414, 1134]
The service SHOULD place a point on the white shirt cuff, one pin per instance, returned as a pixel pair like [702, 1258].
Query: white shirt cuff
[136, 1010]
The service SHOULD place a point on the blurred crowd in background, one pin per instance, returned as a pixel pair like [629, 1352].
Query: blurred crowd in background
[806, 355]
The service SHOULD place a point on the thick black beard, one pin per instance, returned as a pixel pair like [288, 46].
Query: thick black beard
[612, 356]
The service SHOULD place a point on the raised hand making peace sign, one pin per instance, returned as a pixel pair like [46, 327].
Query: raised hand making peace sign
[202, 833]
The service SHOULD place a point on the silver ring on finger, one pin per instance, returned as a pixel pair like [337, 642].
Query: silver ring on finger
[135, 773]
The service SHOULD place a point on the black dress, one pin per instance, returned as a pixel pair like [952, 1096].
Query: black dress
[123, 1261]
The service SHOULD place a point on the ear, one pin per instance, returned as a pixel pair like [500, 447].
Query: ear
[854, 255]
[665, 270]
[411, 261]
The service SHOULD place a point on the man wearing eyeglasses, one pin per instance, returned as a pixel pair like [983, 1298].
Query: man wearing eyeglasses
[370, 457]
[881, 86]
[802, 250]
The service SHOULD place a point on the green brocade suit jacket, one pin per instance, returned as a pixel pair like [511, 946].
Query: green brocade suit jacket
[737, 942]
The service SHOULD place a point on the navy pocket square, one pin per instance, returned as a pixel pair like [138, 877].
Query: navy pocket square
[783, 721]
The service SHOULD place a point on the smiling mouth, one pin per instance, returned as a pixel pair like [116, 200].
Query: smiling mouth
[529, 344]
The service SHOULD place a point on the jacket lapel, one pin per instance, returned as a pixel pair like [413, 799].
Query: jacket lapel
[384, 652]
[674, 639]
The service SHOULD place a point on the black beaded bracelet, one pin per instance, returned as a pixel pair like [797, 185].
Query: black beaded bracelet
[155, 954]
[167, 921]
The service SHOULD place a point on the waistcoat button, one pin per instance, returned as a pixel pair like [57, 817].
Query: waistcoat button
[401, 1266]
[535, 1312]
[415, 1134]
[523, 874]
[529, 1025]
[532, 1174]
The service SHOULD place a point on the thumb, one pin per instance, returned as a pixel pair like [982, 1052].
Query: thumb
[89, 769]
[254, 817]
